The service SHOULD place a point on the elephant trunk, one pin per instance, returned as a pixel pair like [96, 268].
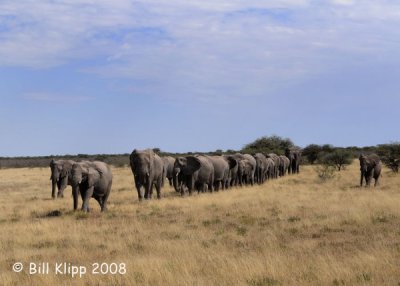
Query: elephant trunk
[53, 189]
[175, 179]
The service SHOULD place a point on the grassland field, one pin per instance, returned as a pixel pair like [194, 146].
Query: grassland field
[296, 230]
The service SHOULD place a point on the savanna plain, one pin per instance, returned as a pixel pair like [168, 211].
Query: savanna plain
[296, 230]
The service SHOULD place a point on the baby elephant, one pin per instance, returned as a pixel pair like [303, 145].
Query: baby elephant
[91, 179]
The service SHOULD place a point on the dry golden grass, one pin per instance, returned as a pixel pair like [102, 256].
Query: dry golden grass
[292, 231]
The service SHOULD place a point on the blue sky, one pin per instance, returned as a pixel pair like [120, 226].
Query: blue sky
[110, 76]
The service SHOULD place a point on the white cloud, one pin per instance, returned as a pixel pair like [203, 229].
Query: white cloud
[200, 47]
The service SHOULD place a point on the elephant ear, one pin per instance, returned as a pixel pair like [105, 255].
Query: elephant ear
[232, 162]
[192, 165]
[52, 162]
[64, 173]
[133, 158]
[91, 176]
[66, 170]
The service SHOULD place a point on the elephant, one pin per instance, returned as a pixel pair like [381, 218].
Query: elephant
[294, 155]
[60, 176]
[193, 172]
[284, 165]
[245, 172]
[261, 168]
[168, 168]
[270, 169]
[222, 167]
[148, 170]
[237, 175]
[233, 171]
[91, 179]
[370, 167]
[275, 158]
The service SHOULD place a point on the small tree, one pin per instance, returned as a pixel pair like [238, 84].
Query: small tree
[268, 144]
[311, 152]
[338, 158]
[390, 154]
[325, 172]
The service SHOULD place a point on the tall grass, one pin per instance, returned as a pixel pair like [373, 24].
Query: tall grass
[297, 230]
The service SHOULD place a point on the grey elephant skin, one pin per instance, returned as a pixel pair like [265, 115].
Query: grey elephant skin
[60, 176]
[294, 155]
[91, 180]
[370, 167]
[261, 168]
[271, 169]
[148, 171]
[246, 169]
[169, 168]
[222, 167]
[193, 172]
[233, 171]
[274, 173]
[284, 164]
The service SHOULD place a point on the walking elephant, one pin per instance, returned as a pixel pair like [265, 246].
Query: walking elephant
[236, 173]
[261, 168]
[275, 168]
[284, 163]
[168, 168]
[294, 155]
[233, 171]
[148, 170]
[60, 176]
[270, 169]
[370, 167]
[91, 179]
[245, 172]
[222, 167]
[193, 172]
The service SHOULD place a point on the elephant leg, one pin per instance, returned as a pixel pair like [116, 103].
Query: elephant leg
[216, 185]
[376, 182]
[98, 199]
[361, 178]
[151, 191]
[158, 189]
[182, 190]
[210, 183]
[170, 182]
[86, 197]
[368, 178]
[138, 188]
[105, 199]
[376, 177]
[147, 187]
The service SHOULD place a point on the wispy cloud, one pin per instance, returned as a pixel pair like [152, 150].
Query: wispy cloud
[235, 47]
[51, 97]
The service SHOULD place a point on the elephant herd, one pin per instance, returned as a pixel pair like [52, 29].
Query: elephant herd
[186, 174]
[204, 173]
[90, 179]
